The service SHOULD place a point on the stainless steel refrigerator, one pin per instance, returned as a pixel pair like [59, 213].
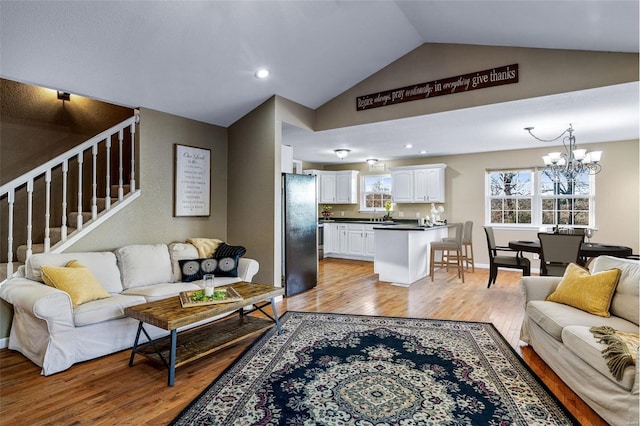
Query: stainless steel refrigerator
[299, 233]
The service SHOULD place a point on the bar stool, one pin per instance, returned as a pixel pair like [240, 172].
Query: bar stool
[450, 252]
[467, 245]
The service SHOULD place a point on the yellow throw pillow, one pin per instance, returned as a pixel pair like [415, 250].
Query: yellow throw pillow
[206, 246]
[590, 293]
[76, 280]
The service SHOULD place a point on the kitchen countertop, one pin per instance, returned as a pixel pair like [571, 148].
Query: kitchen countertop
[407, 227]
[409, 222]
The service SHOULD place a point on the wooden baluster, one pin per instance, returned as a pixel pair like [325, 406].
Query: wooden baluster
[107, 201]
[133, 163]
[79, 219]
[63, 226]
[11, 200]
[94, 183]
[120, 178]
[29, 216]
[47, 211]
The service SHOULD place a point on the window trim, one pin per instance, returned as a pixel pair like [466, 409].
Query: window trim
[536, 200]
[362, 195]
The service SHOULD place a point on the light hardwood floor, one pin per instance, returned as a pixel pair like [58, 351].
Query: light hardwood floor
[106, 391]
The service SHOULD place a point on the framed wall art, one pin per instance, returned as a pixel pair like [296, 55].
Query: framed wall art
[192, 181]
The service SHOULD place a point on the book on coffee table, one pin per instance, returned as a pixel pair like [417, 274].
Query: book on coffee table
[197, 297]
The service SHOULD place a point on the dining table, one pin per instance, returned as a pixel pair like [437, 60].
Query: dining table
[588, 250]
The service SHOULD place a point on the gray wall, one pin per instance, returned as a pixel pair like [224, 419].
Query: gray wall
[149, 219]
[541, 72]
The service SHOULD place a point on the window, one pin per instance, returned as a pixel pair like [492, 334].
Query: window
[565, 200]
[375, 191]
[539, 198]
[511, 196]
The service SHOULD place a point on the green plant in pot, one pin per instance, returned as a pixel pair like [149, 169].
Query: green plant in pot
[387, 207]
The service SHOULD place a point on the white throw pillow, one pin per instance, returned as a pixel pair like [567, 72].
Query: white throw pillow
[102, 265]
[144, 264]
[178, 252]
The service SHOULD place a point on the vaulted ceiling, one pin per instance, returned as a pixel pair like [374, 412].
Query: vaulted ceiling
[197, 59]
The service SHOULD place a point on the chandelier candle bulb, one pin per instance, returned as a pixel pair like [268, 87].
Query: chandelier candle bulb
[580, 154]
[595, 156]
[555, 157]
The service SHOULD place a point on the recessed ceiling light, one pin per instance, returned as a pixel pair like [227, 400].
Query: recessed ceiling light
[262, 73]
[424, 151]
[408, 146]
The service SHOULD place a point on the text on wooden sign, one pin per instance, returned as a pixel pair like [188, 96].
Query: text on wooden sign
[446, 86]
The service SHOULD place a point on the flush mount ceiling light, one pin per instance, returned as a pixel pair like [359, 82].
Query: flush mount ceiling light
[408, 146]
[262, 73]
[342, 153]
[371, 161]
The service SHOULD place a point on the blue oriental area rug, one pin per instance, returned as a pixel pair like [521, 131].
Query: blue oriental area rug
[333, 369]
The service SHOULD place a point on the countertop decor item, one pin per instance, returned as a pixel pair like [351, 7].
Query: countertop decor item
[326, 211]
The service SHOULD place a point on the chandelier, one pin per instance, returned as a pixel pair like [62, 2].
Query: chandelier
[573, 161]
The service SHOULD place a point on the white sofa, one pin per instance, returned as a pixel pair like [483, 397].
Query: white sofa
[560, 335]
[48, 330]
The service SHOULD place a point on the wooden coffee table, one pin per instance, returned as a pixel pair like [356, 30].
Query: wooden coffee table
[183, 346]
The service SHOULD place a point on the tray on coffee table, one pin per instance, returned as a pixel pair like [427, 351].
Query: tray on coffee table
[187, 302]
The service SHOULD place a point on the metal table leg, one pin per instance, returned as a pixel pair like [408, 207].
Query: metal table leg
[172, 358]
[135, 344]
[275, 315]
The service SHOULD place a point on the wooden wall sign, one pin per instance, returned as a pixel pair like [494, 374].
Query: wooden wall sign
[446, 86]
[192, 181]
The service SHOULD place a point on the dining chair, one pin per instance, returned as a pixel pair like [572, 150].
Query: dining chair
[502, 261]
[450, 252]
[557, 251]
[467, 245]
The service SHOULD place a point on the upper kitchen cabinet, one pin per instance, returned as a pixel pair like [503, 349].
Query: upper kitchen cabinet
[336, 187]
[418, 184]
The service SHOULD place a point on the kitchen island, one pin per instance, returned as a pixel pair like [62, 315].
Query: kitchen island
[402, 252]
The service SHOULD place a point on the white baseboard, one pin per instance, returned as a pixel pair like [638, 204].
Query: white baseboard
[4, 342]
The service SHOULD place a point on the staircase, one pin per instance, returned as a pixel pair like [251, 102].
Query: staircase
[96, 192]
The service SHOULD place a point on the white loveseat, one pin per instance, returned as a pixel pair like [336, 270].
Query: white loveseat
[48, 330]
[560, 335]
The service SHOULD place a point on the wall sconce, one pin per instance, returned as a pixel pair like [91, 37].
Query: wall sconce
[371, 161]
[342, 153]
[64, 96]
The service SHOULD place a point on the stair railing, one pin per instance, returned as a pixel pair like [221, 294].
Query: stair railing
[27, 180]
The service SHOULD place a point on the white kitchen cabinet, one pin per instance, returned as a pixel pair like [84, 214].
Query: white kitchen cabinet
[343, 239]
[286, 163]
[418, 184]
[331, 241]
[369, 242]
[336, 187]
[356, 240]
[402, 186]
[327, 188]
[349, 241]
[347, 187]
